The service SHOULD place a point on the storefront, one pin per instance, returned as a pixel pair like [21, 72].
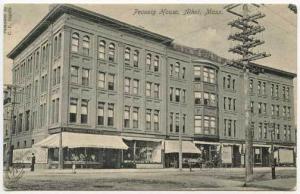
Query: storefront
[261, 155]
[210, 151]
[171, 149]
[142, 153]
[284, 155]
[85, 150]
[231, 154]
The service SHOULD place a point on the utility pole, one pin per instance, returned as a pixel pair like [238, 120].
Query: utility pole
[248, 26]
[180, 139]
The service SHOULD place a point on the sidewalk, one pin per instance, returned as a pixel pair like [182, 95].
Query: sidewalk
[276, 184]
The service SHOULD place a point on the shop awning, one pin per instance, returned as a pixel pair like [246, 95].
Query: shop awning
[77, 140]
[206, 143]
[141, 139]
[261, 145]
[282, 146]
[172, 146]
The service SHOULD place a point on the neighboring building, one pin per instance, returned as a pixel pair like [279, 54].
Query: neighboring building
[83, 73]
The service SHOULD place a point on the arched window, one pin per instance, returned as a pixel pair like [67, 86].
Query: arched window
[86, 45]
[101, 49]
[156, 63]
[112, 51]
[75, 42]
[59, 45]
[136, 58]
[127, 54]
[177, 67]
[148, 62]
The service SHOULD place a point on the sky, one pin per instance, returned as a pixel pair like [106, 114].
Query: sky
[198, 30]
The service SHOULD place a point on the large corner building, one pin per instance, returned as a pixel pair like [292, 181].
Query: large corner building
[109, 94]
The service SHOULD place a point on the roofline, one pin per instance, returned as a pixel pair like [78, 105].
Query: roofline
[60, 9]
[274, 70]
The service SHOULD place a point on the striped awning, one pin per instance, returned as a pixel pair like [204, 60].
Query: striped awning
[172, 146]
[77, 140]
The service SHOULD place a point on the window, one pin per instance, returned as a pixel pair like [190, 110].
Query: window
[127, 85]
[101, 49]
[171, 70]
[272, 109]
[183, 95]
[288, 111]
[229, 127]
[277, 110]
[212, 76]
[197, 97]
[287, 94]
[111, 81]
[197, 73]
[259, 108]
[265, 130]
[135, 117]
[136, 58]
[171, 121]
[206, 125]
[183, 123]
[206, 98]
[284, 132]
[228, 81]
[111, 52]
[212, 99]
[101, 80]
[148, 62]
[212, 125]
[75, 42]
[251, 107]
[177, 123]
[148, 119]
[86, 45]
[20, 123]
[74, 74]
[289, 133]
[156, 90]
[59, 45]
[263, 88]
[283, 92]
[156, 64]
[278, 131]
[58, 75]
[171, 91]
[276, 91]
[177, 95]
[224, 103]
[27, 118]
[233, 84]
[198, 124]
[110, 118]
[177, 67]
[73, 110]
[183, 73]
[259, 87]
[127, 54]
[156, 120]
[264, 108]
[251, 85]
[52, 111]
[85, 77]
[234, 128]
[284, 111]
[54, 77]
[100, 113]
[84, 111]
[205, 74]
[135, 89]
[126, 117]
[148, 89]
[272, 90]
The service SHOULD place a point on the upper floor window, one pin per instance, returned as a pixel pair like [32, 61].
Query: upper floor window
[75, 42]
[156, 120]
[251, 85]
[177, 67]
[148, 62]
[156, 90]
[177, 95]
[127, 117]
[259, 87]
[127, 85]
[84, 111]
[148, 89]
[85, 77]
[101, 80]
[171, 70]
[127, 54]
[101, 49]
[74, 74]
[86, 45]
[112, 52]
[156, 64]
[198, 124]
[110, 118]
[197, 97]
[135, 89]
[136, 58]
[197, 73]
[183, 73]
[111, 81]
[73, 110]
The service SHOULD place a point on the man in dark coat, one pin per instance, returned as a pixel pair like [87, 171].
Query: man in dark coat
[32, 162]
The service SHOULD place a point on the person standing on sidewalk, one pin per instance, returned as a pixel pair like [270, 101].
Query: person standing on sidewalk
[32, 162]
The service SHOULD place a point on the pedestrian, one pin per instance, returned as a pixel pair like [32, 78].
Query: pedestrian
[32, 162]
